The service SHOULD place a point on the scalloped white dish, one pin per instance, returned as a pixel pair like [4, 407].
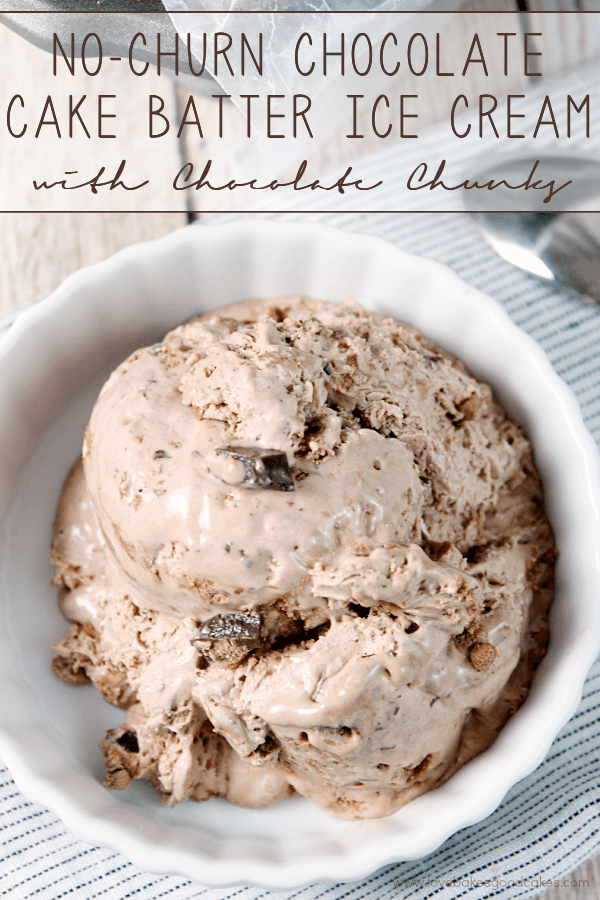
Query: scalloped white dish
[52, 364]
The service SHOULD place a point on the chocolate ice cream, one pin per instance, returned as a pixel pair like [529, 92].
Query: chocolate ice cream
[305, 551]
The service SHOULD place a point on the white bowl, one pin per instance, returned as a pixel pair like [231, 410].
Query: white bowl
[52, 364]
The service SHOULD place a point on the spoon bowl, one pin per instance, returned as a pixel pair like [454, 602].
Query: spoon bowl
[558, 240]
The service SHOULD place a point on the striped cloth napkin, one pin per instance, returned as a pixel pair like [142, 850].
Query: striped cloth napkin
[550, 822]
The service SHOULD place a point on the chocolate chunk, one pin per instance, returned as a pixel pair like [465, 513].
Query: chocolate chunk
[128, 740]
[362, 611]
[162, 454]
[228, 639]
[267, 469]
[242, 628]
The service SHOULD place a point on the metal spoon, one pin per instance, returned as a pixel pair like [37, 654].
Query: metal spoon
[558, 240]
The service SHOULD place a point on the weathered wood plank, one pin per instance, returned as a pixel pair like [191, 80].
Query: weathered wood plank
[582, 884]
[27, 70]
[570, 34]
[39, 250]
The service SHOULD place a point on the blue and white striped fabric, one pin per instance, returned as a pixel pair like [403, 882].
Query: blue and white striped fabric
[550, 822]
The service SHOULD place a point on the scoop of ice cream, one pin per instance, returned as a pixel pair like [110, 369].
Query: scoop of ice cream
[367, 416]
[306, 551]
[172, 459]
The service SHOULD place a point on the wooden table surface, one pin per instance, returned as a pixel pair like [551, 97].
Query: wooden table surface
[39, 249]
